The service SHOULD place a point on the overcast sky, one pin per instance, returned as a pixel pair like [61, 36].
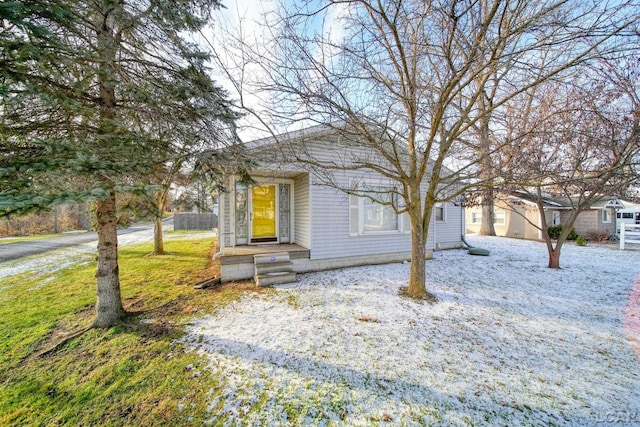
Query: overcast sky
[249, 16]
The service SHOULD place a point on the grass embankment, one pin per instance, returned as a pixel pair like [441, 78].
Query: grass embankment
[135, 374]
[7, 240]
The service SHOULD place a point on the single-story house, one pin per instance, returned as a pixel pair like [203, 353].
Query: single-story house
[291, 210]
[515, 215]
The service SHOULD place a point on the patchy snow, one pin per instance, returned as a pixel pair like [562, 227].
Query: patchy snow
[510, 342]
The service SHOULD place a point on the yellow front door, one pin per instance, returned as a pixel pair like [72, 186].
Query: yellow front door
[263, 211]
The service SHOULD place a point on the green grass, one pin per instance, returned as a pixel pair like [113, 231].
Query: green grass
[6, 240]
[135, 374]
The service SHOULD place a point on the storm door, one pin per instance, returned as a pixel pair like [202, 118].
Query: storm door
[263, 214]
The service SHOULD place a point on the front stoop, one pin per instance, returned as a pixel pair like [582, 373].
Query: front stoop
[273, 269]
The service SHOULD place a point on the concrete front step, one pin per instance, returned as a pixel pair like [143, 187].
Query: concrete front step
[271, 258]
[275, 278]
[274, 267]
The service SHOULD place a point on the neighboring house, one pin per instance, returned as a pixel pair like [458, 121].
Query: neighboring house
[600, 217]
[516, 214]
[291, 209]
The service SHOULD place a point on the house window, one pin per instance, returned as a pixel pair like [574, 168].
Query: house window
[367, 216]
[555, 218]
[441, 213]
[499, 218]
[606, 215]
[476, 217]
[377, 216]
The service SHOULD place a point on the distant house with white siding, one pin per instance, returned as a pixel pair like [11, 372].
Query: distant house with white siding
[291, 209]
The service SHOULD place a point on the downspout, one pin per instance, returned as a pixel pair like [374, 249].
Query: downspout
[463, 226]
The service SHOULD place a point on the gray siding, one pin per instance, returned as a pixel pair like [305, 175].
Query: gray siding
[330, 229]
[301, 211]
[591, 221]
[586, 221]
[321, 213]
[448, 232]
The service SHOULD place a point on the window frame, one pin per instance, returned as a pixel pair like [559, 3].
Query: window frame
[606, 216]
[443, 208]
[503, 215]
[358, 213]
[476, 217]
[369, 207]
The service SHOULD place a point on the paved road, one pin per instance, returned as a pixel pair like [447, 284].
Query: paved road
[11, 251]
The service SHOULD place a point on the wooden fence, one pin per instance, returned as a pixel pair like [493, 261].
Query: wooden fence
[194, 221]
[629, 230]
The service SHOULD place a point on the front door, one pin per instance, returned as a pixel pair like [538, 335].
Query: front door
[263, 214]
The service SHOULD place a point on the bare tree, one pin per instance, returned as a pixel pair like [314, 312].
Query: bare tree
[579, 143]
[403, 83]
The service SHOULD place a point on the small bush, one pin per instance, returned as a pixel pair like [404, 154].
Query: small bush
[598, 236]
[555, 231]
[581, 241]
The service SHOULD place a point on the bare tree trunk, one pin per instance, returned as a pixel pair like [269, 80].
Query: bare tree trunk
[417, 287]
[554, 256]
[417, 274]
[56, 219]
[486, 227]
[109, 310]
[158, 240]
[486, 169]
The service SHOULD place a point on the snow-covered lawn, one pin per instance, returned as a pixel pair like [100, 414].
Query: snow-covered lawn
[510, 342]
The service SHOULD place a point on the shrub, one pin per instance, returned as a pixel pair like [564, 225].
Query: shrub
[581, 241]
[555, 231]
[598, 236]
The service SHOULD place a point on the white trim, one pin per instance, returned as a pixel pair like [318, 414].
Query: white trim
[361, 211]
[476, 217]
[357, 203]
[260, 181]
[540, 219]
[310, 209]
[442, 205]
[221, 219]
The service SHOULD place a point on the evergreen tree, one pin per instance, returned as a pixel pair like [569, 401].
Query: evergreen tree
[89, 92]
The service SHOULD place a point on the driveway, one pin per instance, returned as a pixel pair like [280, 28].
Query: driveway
[12, 251]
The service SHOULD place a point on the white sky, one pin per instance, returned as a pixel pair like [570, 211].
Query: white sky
[247, 17]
